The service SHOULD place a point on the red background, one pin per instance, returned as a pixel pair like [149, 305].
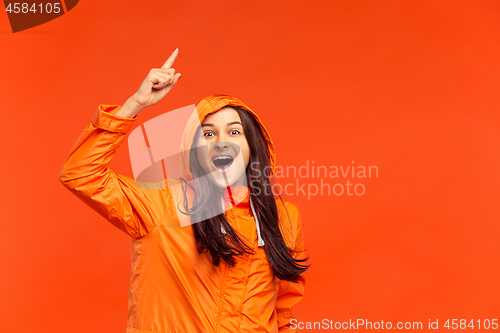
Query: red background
[408, 86]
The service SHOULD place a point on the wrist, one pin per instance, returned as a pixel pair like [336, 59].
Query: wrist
[130, 108]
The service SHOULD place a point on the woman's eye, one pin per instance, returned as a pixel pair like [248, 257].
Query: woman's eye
[235, 132]
[207, 133]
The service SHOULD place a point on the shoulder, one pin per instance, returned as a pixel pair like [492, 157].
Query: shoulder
[286, 207]
[163, 193]
[290, 221]
[152, 185]
[166, 186]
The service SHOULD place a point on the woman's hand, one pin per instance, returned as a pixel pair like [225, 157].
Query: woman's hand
[155, 86]
[158, 83]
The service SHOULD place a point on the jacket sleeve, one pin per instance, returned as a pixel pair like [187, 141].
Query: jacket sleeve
[290, 293]
[134, 209]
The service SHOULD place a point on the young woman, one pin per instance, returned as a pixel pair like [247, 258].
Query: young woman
[238, 266]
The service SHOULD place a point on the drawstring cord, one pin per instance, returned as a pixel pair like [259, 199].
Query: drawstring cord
[261, 241]
[223, 210]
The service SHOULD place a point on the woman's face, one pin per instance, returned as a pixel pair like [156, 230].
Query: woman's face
[227, 152]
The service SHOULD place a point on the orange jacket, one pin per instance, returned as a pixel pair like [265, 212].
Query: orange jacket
[173, 288]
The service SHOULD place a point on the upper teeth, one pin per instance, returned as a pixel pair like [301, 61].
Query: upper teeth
[222, 157]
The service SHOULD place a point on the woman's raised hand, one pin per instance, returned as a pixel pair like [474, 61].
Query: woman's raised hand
[154, 87]
[158, 83]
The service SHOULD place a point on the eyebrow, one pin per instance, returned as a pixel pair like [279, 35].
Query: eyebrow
[228, 124]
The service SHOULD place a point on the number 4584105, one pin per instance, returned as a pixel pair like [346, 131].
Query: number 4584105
[462, 324]
[23, 8]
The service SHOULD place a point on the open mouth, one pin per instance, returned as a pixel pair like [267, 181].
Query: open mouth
[222, 163]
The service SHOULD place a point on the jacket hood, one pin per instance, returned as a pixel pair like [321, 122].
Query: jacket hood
[209, 105]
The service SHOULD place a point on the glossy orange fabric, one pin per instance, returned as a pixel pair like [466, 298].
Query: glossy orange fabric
[173, 288]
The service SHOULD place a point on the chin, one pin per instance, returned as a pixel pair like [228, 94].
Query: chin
[218, 179]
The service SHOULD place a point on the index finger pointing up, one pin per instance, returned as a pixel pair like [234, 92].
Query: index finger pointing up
[171, 59]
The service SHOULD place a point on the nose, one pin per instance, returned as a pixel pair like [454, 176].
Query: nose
[221, 145]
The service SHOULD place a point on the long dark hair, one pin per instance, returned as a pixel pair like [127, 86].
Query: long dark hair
[208, 233]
